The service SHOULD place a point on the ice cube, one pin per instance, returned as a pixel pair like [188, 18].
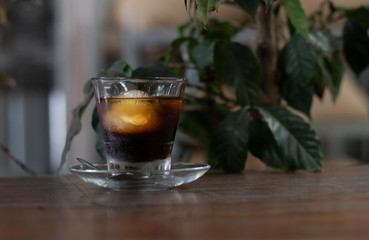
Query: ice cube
[129, 115]
[133, 94]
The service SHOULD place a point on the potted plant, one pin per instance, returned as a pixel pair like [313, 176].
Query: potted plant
[250, 98]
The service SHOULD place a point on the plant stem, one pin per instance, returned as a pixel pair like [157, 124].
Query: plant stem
[5, 149]
[265, 50]
[229, 2]
[209, 79]
[219, 94]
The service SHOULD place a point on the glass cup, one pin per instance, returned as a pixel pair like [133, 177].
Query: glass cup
[139, 119]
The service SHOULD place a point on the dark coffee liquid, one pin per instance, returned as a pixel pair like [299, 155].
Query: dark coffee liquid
[139, 130]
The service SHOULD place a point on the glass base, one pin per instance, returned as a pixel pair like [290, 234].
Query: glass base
[156, 180]
[118, 166]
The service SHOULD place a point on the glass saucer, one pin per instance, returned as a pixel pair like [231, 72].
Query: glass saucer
[153, 180]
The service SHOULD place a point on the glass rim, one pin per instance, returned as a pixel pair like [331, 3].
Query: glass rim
[143, 79]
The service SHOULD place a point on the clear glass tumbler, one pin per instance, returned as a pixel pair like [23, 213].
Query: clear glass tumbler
[139, 119]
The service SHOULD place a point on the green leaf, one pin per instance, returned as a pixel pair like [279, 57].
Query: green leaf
[297, 16]
[95, 119]
[199, 122]
[360, 14]
[203, 8]
[99, 145]
[203, 54]
[263, 145]
[216, 30]
[325, 47]
[323, 42]
[298, 65]
[174, 47]
[214, 5]
[249, 6]
[241, 70]
[212, 158]
[297, 95]
[219, 53]
[156, 69]
[230, 141]
[295, 138]
[330, 72]
[196, 123]
[76, 125]
[319, 84]
[118, 69]
[335, 68]
[182, 29]
[356, 45]
[298, 62]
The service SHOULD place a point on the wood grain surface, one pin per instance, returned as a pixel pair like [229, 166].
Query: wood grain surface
[332, 204]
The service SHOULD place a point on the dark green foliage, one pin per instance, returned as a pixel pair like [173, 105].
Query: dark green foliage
[241, 71]
[294, 144]
[298, 62]
[224, 110]
[202, 55]
[230, 141]
[297, 16]
[360, 14]
[118, 69]
[263, 145]
[99, 145]
[202, 8]
[356, 45]
[175, 46]
[299, 66]
[330, 72]
[325, 48]
[154, 70]
[197, 123]
[297, 95]
[217, 30]
[250, 6]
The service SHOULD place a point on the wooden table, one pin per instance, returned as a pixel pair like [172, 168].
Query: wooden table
[333, 204]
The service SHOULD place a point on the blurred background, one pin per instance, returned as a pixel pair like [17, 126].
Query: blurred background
[52, 47]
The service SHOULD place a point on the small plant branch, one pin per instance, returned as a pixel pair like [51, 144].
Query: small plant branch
[337, 18]
[325, 15]
[220, 94]
[265, 49]
[209, 78]
[5, 149]
[232, 102]
[229, 2]
[182, 65]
